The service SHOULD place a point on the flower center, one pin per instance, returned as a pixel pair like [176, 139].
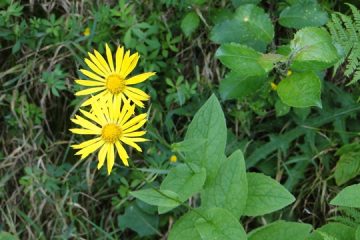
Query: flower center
[111, 132]
[115, 84]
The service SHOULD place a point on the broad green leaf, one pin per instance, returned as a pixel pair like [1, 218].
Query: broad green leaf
[237, 3]
[313, 50]
[300, 90]
[219, 224]
[265, 195]
[229, 190]
[139, 221]
[240, 58]
[268, 61]
[336, 230]
[348, 197]
[305, 13]
[348, 165]
[281, 230]
[209, 124]
[190, 23]
[236, 85]
[250, 26]
[184, 181]
[164, 198]
[188, 145]
[184, 227]
[281, 109]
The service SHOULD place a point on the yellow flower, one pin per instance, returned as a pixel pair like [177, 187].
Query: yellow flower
[289, 72]
[112, 126]
[111, 82]
[173, 158]
[86, 32]
[273, 86]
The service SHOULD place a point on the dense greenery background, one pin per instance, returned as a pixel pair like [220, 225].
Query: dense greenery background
[47, 193]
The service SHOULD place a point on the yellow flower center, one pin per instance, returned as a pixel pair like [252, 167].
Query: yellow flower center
[111, 132]
[115, 84]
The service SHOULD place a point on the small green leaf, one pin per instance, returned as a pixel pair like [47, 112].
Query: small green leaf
[190, 23]
[305, 13]
[348, 197]
[139, 221]
[229, 190]
[184, 181]
[348, 165]
[240, 58]
[164, 198]
[250, 25]
[337, 231]
[281, 109]
[219, 224]
[300, 90]
[265, 195]
[208, 123]
[313, 50]
[281, 230]
[184, 227]
[236, 85]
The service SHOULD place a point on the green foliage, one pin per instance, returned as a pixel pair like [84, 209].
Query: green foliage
[190, 23]
[333, 231]
[348, 165]
[345, 31]
[304, 13]
[348, 197]
[300, 90]
[249, 25]
[281, 230]
[265, 195]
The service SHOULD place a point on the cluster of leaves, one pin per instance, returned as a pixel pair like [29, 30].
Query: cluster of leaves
[273, 142]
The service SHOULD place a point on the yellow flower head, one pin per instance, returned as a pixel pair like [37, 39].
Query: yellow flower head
[112, 126]
[111, 82]
[173, 158]
[289, 72]
[86, 32]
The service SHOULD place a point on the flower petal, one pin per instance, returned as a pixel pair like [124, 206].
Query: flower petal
[129, 142]
[122, 153]
[139, 78]
[132, 65]
[102, 60]
[89, 83]
[84, 131]
[93, 67]
[97, 63]
[134, 121]
[92, 75]
[110, 158]
[119, 58]
[102, 155]
[109, 57]
[86, 143]
[89, 91]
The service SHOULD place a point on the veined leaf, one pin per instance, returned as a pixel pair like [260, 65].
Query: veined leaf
[348, 197]
[265, 195]
[300, 90]
[163, 198]
[184, 227]
[336, 230]
[348, 165]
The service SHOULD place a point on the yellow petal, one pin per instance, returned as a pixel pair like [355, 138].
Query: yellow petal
[138, 92]
[89, 91]
[126, 112]
[134, 121]
[119, 58]
[94, 98]
[86, 143]
[102, 60]
[92, 75]
[129, 142]
[139, 78]
[93, 67]
[110, 158]
[98, 64]
[109, 57]
[85, 123]
[134, 99]
[99, 112]
[122, 153]
[90, 149]
[135, 134]
[135, 127]
[132, 65]
[92, 117]
[135, 96]
[84, 131]
[89, 83]
[127, 62]
[139, 139]
[102, 155]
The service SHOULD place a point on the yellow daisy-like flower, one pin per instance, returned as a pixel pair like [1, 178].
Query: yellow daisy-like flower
[110, 81]
[112, 126]
[86, 32]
